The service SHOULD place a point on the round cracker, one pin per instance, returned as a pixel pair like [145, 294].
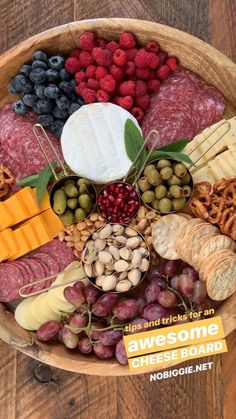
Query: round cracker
[165, 234]
[184, 232]
[195, 234]
[197, 248]
[221, 282]
[212, 261]
[213, 244]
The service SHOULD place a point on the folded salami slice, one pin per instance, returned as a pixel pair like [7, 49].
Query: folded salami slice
[11, 280]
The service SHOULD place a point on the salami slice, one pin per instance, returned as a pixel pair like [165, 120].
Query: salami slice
[38, 273]
[11, 280]
[50, 265]
[60, 252]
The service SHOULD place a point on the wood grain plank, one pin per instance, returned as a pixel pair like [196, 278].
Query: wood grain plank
[223, 23]
[22, 19]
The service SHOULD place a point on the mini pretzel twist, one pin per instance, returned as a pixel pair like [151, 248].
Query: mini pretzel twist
[6, 179]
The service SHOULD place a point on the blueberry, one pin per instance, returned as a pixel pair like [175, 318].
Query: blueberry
[45, 105]
[63, 103]
[20, 108]
[30, 99]
[38, 75]
[57, 127]
[39, 90]
[25, 69]
[73, 108]
[39, 64]
[66, 87]
[35, 109]
[51, 91]
[40, 55]
[59, 113]
[56, 62]
[45, 119]
[52, 75]
[11, 87]
[64, 75]
[80, 101]
[73, 84]
[22, 85]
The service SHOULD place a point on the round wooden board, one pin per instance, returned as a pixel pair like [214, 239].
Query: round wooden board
[194, 54]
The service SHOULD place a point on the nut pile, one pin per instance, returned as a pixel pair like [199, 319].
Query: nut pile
[76, 235]
[116, 257]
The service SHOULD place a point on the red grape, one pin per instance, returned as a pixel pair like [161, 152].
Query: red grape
[69, 339]
[93, 333]
[191, 272]
[199, 292]
[79, 286]
[139, 321]
[170, 268]
[154, 273]
[104, 304]
[78, 320]
[91, 294]
[48, 330]
[152, 292]
[110, 337]
[141, 303]
[74, 295]
[174, 282]
[85, 346]
[186, 285]
[205, 305]
[159, 281]
[126, 310]
[155, 312]
[167, 299]
[104, 351]
[121, 353]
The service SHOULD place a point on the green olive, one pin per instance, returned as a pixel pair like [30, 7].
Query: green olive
[163, 163]
[187, 191]
[83, 181]
[59, 202]
[186, 179]
[166, 173]
[165, 205]
[174, 180]
[154, 177]
[178, 203]
[148, 197]
[72, 203]
[67, 218]
[160, 191]
[147, 168]
[180, 170]
[83, 189]
[155, 204]
[80, 214]
[143, 184]
[175, 191]
[85, 202]
[71, 190]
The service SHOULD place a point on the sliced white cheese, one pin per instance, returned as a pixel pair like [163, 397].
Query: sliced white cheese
[217, 171]
[42, 311]
[227, 163]
[93, 144]
[24, 316]
[203, 175]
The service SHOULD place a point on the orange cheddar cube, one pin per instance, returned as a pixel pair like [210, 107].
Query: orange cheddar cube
[23, 244]
[16, 208]
[6, 217]
[28, 200]
[4, 249]
[52, 222]
[45, 205]
[30, 234]
[41, 230]
[9, 239]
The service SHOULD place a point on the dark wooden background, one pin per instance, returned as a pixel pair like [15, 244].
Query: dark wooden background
[32, 390]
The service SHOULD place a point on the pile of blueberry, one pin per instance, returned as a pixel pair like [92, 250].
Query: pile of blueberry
[47, 88]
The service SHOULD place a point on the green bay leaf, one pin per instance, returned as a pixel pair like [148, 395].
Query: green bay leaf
[133, 143]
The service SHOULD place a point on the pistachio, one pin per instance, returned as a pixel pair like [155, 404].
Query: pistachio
[110, 266]
[130, 232]
[121, 266]
[109, 283]
[142, 224]
[95, 236]
[143, 251]
[99, 280]
[104, 257]
[99, 244]
[136, 259]
[134, 276]
[143, 267]
[88, 269]
[118, 229]
[123, 286]
[133, 242]
[120, 240]
[123, 275]
[114, 252]
[105, 232]
[99, 267]
[125, 253]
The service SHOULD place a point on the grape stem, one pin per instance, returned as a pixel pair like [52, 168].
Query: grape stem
[183, 303]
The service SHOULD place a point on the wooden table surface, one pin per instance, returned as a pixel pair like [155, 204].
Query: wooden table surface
[32, 390]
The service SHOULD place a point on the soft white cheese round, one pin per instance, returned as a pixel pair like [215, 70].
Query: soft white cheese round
[93, 143]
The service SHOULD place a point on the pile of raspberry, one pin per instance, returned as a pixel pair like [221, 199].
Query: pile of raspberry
[120, 72]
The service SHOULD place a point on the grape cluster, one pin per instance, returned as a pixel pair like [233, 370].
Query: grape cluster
[98, 324]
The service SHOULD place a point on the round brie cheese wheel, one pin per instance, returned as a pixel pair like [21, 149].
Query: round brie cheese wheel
[93, 142]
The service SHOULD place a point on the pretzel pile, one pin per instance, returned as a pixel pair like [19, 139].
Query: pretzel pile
[6, 179]
[217, 204]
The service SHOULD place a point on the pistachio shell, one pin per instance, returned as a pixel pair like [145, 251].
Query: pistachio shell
[136, 259]
[143, 267]
[99, 267]
[99, 280]
[125, 253]
[120, 240]
[105, 232]
[88, 269]
[114, 252]
[143, 251]
[118, 229]
[109, 283]
[104, 257]
[95, 235]
[130, 232]
[134, 276]
[123, 275]
[123, 286]
[99, 244]
[133, 242]
[121, 266]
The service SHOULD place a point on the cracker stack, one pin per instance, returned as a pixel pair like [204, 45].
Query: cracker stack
[200, 244]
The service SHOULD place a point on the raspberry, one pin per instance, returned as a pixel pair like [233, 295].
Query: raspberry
[130, 68]
[163, 72]
[125, 102]
[80, 88]
[112, 46]
[75, 53]
[85, 59]
[100, 72]
[140, 88]
[143, 73]
[152, 75]
[127, 88]
[101, 42]
[116, 72]
[89, 96]
[86, 41]
[72, 65]
[108, 83]
[120, 57]
[143, 102]
[93, 84]
[137, 113]
[103, 96]
[154, 61]
[142, 58]
[127, 40]
[153, 85]
[172, 64]
[80, 76]
[131, 53]
[102, 56]
[162, 57]
[152, 46]
[90, 71]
